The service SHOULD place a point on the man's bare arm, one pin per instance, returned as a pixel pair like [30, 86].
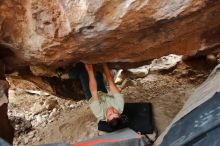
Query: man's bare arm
[114, 89]
[92, 82]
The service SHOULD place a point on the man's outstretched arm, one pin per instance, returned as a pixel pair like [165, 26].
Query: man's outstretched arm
[114, 89]
[92, 82]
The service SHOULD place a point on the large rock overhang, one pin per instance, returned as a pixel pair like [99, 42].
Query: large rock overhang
[60, 32]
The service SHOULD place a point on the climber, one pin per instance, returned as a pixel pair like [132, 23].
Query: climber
[103, 106]
[79, 71]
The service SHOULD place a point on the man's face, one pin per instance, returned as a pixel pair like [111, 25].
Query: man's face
[111, 113]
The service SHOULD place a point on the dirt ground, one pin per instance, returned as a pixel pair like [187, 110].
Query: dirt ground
[41, 118]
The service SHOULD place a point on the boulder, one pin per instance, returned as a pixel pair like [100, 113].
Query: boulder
[139, 72]
[59, 33]
[165, 63]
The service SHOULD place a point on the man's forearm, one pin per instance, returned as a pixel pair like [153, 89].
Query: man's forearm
[114, 89]
[92, 83]
[108, 74]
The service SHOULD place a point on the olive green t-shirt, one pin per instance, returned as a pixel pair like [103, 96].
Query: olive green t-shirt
[100, 106]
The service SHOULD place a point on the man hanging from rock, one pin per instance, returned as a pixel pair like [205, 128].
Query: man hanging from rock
[79, 71]
[104, 107]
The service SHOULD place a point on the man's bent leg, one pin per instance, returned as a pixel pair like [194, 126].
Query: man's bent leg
[74, 72]
[80, 72]
[100, 82]
[84, 79]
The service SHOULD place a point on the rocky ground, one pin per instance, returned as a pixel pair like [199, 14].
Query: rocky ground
[40, 118]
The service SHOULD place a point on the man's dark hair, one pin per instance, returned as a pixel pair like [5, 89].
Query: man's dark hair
[114, 123]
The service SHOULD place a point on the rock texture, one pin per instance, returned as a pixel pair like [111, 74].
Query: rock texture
[6, 130]
[58, 32]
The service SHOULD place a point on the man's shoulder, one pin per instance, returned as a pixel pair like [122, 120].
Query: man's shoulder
[92, 101]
